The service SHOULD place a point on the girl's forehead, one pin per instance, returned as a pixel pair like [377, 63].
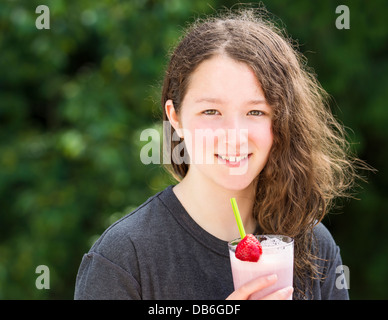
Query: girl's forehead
[221, 77]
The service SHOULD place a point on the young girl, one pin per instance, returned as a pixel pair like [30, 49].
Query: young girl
[278, 150]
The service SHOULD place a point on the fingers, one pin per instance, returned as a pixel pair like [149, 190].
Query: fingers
[244, 292]
[250, 287]
[282, 294]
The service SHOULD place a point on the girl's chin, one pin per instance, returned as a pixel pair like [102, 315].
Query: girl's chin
[235, 184]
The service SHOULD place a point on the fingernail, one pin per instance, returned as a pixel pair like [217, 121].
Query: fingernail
[272, 277]
[288, 290]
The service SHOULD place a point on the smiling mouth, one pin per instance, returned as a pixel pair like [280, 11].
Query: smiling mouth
[233, 159]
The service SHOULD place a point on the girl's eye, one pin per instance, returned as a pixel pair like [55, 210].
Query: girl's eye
[256, 113]
[211, 112]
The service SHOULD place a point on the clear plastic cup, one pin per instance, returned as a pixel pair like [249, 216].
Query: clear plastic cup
[277, 258]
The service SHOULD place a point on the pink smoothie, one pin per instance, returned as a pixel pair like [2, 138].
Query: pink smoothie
[277, 258]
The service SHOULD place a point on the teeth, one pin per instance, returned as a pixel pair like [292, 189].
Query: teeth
[233, 158]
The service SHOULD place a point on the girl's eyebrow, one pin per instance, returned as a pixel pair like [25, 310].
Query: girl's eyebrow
[210, 100]
[256, 101]
[220, 101]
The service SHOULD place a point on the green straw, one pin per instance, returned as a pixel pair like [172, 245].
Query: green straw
[238, 218]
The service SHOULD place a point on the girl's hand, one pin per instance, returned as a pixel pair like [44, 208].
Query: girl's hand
[244, 292]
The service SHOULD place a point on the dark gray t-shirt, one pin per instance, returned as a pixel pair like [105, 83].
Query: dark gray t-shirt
[159, 252]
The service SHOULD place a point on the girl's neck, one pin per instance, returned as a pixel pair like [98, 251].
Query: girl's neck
[209, 206]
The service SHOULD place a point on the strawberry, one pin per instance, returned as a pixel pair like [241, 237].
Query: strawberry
[249, 249]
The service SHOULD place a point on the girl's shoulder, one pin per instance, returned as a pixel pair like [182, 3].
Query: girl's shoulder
[138, 224]
[324, 242]
[321, 233]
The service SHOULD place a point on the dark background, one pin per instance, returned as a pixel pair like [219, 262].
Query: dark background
[75, 98]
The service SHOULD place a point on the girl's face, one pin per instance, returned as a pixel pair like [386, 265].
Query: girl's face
[225, 122]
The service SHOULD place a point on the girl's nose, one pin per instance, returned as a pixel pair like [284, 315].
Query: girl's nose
[235, 137]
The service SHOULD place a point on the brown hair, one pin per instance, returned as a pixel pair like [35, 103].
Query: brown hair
[310, 163]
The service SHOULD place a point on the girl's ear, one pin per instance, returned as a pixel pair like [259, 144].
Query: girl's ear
[173, 117]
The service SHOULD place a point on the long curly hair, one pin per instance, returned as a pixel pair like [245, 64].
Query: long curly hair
[310, 163]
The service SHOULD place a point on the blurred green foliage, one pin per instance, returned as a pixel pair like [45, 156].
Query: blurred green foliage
[74, 99]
